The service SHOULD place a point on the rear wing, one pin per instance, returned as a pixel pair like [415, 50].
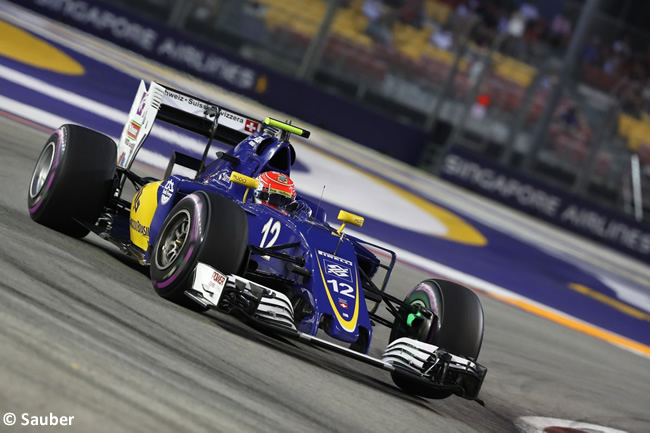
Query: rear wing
[183, 110]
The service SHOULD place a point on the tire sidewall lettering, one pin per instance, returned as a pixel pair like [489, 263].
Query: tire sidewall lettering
[190, 250]
[60, 145]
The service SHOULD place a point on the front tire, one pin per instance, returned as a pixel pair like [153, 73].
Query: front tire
[456, 326]
[72, 180]
[202, 227]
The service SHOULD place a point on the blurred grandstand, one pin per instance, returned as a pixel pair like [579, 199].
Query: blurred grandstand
[474, 73]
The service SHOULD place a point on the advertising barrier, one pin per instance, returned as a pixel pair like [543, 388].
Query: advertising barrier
[184, 52]
[382, 133]
[466, 168]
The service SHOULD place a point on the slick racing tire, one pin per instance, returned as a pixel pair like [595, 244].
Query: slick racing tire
[202, 227]
[72, 180]
[457, 329]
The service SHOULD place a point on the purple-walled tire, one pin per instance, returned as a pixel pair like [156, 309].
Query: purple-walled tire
[72, 179]
[202, 227]
[456, 326]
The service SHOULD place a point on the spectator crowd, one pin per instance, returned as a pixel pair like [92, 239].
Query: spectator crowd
[612, 60]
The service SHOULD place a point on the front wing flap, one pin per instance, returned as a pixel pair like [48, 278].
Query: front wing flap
[436, 366]
[211, 288]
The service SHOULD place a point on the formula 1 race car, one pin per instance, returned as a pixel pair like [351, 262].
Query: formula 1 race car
[216, 239]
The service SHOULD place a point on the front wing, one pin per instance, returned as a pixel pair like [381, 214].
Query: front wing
[430, 364]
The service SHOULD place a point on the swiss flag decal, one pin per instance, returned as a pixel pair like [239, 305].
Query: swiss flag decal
[251, 126]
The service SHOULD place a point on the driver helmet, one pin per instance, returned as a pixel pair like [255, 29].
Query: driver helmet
[275, 189]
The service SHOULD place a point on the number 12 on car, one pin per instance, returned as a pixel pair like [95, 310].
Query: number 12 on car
[342, 288]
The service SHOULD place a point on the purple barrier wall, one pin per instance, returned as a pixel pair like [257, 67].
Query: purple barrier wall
[199, 58]
[466, 168]
[344, 117]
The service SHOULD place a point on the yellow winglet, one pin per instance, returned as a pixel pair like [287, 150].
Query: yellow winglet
[347, 217]
[243, 180]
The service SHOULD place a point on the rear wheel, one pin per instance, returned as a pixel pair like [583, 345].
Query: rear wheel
[456, 326]
[72, 180]
[202, 227]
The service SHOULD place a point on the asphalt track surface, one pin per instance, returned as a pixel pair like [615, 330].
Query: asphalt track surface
[83, 334]
[604, 294]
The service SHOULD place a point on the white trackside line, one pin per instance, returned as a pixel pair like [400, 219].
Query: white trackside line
[53, 121]
[453, 274]
[159, 161]
[561, 244]
[44, 118]
[482, 285]
[120, 117]
[66, 96]
[538, 424]
[156, 160]
[196, 146]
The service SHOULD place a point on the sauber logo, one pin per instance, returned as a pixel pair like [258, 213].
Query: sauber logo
[167, 192]
[338, 270]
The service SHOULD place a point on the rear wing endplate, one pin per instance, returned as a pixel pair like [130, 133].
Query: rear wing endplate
[183, 110]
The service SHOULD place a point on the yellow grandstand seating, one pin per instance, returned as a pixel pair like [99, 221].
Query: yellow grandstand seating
[625, 124]
[349, 23]
[645, 117]
[634, 130]
[438, 54]
[513, 70]
[437, 11]
[304, 16]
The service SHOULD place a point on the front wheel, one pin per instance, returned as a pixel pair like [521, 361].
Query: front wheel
[456, 325]
[72, 180]
[202, 227]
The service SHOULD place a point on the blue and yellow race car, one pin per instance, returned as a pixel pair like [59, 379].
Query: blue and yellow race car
[234, 235]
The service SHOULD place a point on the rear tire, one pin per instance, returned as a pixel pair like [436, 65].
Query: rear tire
[202, 227]
[72, 180]
[457, 326]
